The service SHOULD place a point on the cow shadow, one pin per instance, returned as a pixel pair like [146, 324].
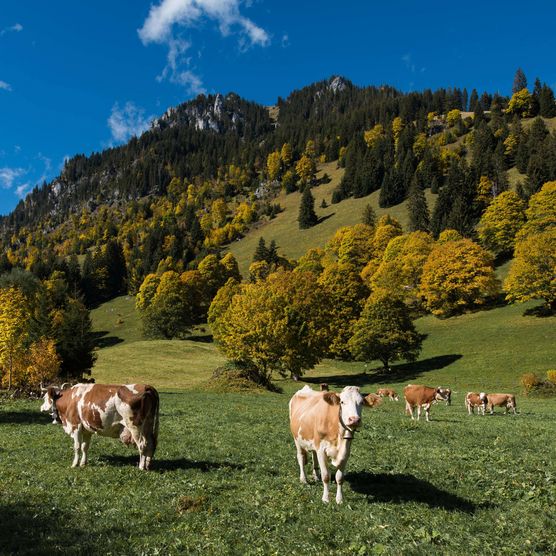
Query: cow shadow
[401, 488]
[166, 465]
[24, 418]
[102, 340]
[397, 373]
[36, 530]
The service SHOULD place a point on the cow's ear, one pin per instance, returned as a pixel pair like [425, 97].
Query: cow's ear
[331, 398]
[371, 400]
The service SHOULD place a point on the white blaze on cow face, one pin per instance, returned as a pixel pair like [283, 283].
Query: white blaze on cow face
[351, 405]
[48, 404]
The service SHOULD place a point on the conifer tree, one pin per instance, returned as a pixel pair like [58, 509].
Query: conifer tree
[307, 216]
[547, 104]
[419, 217]
[261, 253]
[369, 216]
[520, 81]
[473, 100]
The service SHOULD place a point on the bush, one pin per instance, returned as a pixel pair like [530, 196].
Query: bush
[551, 377]
[529, 381]
[237, 377]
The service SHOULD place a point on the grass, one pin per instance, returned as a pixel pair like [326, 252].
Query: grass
[225, 481]
[293, 242]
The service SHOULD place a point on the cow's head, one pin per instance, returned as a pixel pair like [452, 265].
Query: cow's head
[351, 403]
[51, 394]
[483, 397]
[443, 394]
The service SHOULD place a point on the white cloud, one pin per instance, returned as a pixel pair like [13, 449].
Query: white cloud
[168, 14]
[22, 190]
[127, 121]
[9, 175]
[5, 86]
[12, 29]
[158, 26]
[285, 40]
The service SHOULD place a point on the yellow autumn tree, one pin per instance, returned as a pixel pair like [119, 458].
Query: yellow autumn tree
[14, 330]
[286, 154]
[279, 324]
[458, 275]
[306, 169]
[273, 165]
[501, 221]
[399, 273]
[541, 212]
[373, 135]
[39, 364]
[453, 117]
[533, 271]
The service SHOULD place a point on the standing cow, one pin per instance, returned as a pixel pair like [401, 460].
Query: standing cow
[476, 400]
[418, 396]
[324, 424]
[507, 401]
[129, 412]
[388, 393]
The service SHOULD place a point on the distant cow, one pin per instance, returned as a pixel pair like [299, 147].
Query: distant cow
[418, 396]
[506, 401]
[388, 393]
[129, 412]
[324, 424]
[476, 400]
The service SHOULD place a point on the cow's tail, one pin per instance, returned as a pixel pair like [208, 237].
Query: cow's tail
[150, 405]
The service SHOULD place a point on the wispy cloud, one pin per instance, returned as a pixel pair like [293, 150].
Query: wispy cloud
[5, 86]
[410, 65]
[127, 121]
[163, 20]
[8, 176]
[22, 190]
[285, 42]
[12, 29]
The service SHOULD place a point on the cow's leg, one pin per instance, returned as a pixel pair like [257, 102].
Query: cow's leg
[85, 441]
[418, 412]
[76, 435]
[428, 412]
[301, 460]
[315, 465]
[409, 409]
[325, 475]
[340, 482]
[140, 442]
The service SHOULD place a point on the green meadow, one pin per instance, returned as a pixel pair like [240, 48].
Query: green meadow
[225, 476]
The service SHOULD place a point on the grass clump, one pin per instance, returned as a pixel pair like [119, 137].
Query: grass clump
[237, 377]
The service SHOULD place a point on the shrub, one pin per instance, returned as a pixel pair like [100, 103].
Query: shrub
[551, 377]
[529, 381]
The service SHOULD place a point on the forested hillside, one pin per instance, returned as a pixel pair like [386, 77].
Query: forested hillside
[465, 177]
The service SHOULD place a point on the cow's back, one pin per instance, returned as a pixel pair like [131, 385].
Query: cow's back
[417, 394]
[311, 418]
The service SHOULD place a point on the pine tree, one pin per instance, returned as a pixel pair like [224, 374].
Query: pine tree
[520, 81]
[369, 216]
[307, 216]
[473, 100]
[419, 217]
[547, 104]
[261, 253]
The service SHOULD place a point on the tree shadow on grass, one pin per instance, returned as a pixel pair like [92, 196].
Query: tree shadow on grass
[37, 530]
[401, 488]
[102, 340]
[540, 311]
[165, 465]
[326, 217]
[24, 418]
[396, 373]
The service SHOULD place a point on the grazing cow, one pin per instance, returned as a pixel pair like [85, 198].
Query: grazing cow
[129, 412]
[417, 396]
[475, 400]
[506, 401]
[324, 424]
[388, 393]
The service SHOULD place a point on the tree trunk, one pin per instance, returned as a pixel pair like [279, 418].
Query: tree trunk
[10, 373]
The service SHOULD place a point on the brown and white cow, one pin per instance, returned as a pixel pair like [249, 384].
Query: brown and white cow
[507, 401]
[388, 393]
[324, 423]
[476, 400]
[128, 411]
[418, 396]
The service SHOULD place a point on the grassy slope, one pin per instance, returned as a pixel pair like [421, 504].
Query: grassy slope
[293, 242]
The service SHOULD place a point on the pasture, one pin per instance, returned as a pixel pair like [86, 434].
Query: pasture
[225, 475]
[225, 481]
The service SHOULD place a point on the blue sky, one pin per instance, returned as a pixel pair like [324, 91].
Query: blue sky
[78, 76]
